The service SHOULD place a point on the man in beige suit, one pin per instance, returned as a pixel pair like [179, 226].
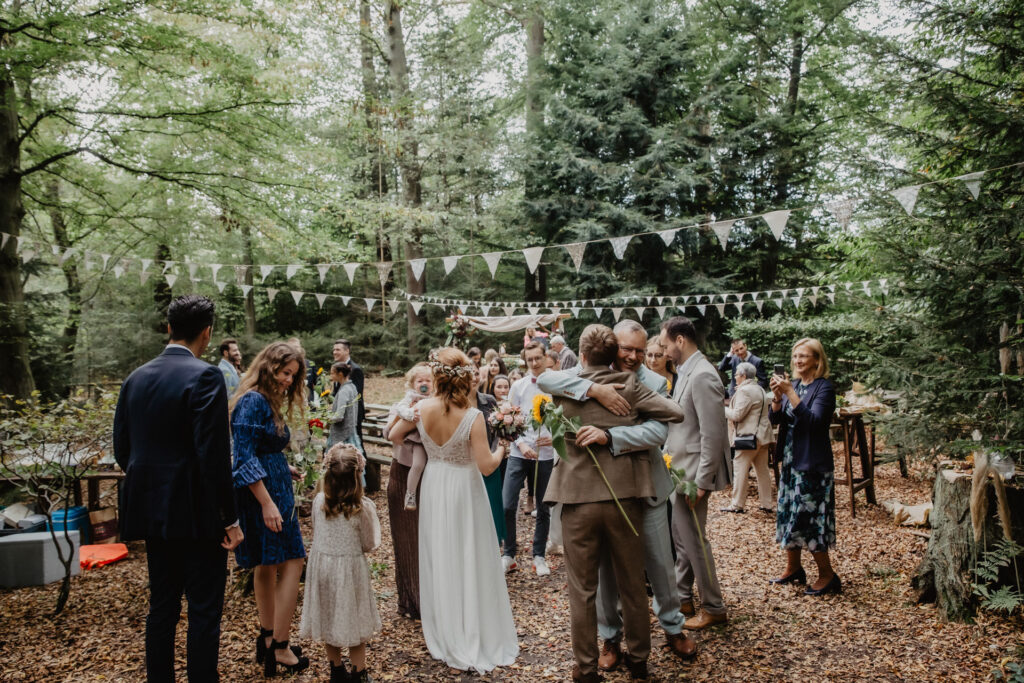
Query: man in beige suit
[700, 445]
[593, 527]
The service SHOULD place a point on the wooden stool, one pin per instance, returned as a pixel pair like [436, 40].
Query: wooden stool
[856, 442]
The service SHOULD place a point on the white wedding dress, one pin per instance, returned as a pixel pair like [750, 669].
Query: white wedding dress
[467, 618]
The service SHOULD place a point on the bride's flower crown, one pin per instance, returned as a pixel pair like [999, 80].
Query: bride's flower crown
[450, 370]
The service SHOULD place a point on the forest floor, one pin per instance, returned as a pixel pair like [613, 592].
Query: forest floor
[873, 631]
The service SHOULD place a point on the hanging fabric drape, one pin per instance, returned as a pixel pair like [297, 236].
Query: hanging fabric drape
[510, 323]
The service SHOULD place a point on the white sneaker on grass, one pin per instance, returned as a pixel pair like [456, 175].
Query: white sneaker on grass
[540, 566]
[508, 563]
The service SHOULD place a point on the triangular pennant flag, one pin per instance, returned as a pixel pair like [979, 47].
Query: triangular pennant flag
[383, 271]
[449, 263]
[485, 309]
[776, 221]
[220, 285]
[106, 258]
[171, 278]
[264, 272]
[369, 304]
[215, 268]
[973, 182]
[575, 311]
[66, 255]
[492, 259]
[800, 290]
[813, 299]
[143, 276]
[760, 304]
[146, 263]
[297, 296]
[739, 307]
[842, 211]
[416, 306]
[350, 270]
[509, 310]
[883, 284]
[848, 285]
[815, 289]
[702, 308]
[721, 309]
[796, 301]
[722, 229]
[661, 311]
[576, 250]
[832, 288]
[240, 272]
[3, 240]
[533, 309]
[271, 293]
[345, 300]
[532, 255]
[320, 298]
[167, 264]
[907, 197]
[393, 303]
[417, 265]
[290, 271]
[322, 269]
[598, 312]
[867, 287]
[192, 270]
[778, 303]
[619, 245]
[667, 236]
[246, 289]
[831, 297]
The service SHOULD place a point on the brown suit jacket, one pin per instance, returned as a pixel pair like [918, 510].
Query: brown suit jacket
[576, 480]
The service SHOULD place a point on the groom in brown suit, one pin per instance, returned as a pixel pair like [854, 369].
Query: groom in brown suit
[592, 525]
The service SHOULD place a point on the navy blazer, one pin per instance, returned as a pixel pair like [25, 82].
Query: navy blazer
[812, 447]
[730, 362]
[172, 439]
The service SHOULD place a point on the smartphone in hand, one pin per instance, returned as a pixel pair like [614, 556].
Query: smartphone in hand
[779, 370]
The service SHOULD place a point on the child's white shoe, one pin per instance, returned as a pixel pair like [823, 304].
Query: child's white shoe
[410, 500]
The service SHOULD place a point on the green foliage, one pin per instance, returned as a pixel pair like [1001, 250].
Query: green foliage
[990, 572]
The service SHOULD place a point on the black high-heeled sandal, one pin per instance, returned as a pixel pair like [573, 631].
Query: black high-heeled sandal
[834, 585]
[261, 645]
[799, 576]
[270, 663]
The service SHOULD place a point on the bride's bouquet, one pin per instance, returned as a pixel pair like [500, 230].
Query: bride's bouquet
[507, 421]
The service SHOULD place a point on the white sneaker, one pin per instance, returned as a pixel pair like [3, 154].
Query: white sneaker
[541, 566]
[508, 563]
[554, 549]
[533, 514]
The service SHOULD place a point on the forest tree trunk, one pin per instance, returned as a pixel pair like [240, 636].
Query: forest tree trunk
[72, 282]
[250, 303]
[15, 371]
[536, 284]
[945, 574]
[162, 294]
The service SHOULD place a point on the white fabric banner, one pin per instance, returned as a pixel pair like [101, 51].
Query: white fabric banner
[668, 236]
[393, 304]
[722, 229]
[220, 286]
[449, 263]
[297, 296]
[598, 312]
[320, 298]
[383, 270]
[290, 271]
[485, 309]
[532, 256]
[842, 211]
[345, 300]
[264, 272]
[702, 308]
[509, 310]
[214, 268]
[616, 313]
[973, 183]
[369, 304]
[171, 278]
[492, 259]
[907, 197]
[576, 253]
[661, 312]
[417, 265]
[271, 293]
[619, 245]
[416, 306]
[118, 270]
[776, 221]
[167, 264]
[322, 269]
[760, 304]
[511, 323]
[721, 309]
[883, 284]
[350, 270]
[245, 289]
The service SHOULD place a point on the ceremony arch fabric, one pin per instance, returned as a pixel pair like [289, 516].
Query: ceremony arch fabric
[512, 323]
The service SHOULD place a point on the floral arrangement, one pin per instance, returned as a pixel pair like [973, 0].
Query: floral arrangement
[547, 414]
[507, 421]
[458, 329]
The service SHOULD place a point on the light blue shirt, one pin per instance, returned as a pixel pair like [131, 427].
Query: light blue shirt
[231, 378]
[521, 394]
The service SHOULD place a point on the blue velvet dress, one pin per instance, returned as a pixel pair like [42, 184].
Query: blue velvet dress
[258, 456]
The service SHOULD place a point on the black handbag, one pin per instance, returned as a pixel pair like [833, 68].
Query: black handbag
[748, 442]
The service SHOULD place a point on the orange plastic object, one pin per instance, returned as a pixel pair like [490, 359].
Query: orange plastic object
[91, 556]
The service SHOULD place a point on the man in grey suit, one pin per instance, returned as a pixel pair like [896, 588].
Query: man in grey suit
[649, 436]
[700, 445]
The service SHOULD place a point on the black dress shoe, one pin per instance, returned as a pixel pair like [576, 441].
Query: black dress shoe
[270, 662]
[799, 576]
[834, 585]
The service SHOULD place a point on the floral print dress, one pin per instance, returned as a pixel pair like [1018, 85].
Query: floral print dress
[807, 500]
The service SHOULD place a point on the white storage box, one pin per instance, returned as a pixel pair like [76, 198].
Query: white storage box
[30, 559]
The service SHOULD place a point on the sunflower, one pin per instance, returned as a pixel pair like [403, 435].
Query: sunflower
[668, 460]
[538, 404]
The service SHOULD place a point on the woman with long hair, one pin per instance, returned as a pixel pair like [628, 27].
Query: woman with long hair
[467, 618]
[495, 368]
[271, 391]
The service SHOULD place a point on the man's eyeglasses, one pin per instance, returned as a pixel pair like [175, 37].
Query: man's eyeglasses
[629, 350]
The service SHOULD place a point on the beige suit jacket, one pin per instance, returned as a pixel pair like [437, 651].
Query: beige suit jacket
[576, 480]
[748, 412]
[700, 443]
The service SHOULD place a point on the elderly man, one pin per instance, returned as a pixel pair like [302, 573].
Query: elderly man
[566, 358]
[595, 530]
[700, 446]
[631, 338]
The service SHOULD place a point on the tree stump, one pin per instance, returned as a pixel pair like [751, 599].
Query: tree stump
[945, 575]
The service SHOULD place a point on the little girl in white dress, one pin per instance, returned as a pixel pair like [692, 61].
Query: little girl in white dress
[340, 608]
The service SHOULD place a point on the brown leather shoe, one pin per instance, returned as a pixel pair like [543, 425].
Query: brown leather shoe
[610, 657]
[686, 608]
[592, 677]
[703, 620]
[681, 645]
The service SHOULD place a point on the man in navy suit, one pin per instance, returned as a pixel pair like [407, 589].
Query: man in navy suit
[739, 354]
[171, 438]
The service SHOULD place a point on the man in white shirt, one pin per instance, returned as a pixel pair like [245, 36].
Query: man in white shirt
[532, 456]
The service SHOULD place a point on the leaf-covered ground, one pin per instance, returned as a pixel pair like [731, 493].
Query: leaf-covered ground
[872, 631]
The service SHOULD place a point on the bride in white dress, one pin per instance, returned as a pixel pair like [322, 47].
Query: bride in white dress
[467, 618]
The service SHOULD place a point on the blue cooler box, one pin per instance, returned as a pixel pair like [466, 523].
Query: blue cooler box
[77, 519]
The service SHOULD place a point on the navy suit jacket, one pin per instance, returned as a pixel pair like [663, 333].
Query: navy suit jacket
[172, 439]
[812, 447]
[730, 362]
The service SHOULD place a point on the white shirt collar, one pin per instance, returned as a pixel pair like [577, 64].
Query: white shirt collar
[181, 346]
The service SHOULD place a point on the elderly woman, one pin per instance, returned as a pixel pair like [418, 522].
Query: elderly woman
[807, 501]
[748, 415]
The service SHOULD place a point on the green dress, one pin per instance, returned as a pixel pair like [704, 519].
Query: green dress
[494, 481]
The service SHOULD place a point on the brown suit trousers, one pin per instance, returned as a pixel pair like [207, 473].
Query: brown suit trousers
[593, 531]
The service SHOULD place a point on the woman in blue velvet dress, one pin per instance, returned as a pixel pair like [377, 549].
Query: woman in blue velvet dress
[273, 545]
[806, 518]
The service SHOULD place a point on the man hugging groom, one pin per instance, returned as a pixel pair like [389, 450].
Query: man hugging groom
[594, 530]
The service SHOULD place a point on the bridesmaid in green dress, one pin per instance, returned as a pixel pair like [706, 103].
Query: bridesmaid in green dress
[493, 482]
